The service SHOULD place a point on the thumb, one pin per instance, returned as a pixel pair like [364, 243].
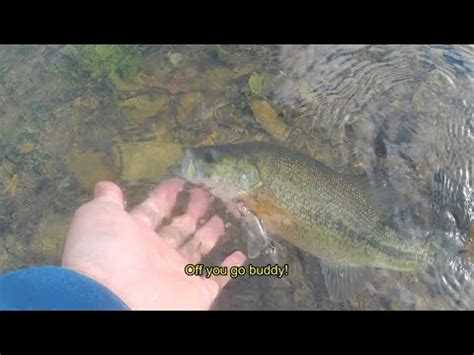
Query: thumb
[110, 192]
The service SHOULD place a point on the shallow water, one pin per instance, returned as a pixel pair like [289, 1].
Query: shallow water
[402, 115]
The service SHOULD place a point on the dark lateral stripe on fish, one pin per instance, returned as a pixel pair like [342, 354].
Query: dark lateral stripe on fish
[363, 239]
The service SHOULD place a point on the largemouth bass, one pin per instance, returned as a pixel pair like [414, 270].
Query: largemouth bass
[317, 209]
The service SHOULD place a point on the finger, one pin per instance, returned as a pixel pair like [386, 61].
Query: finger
[199, 201]
[108, 191]
[159, 204]
[204, 240]
[183, 226]
[233, 208]
[235, 259]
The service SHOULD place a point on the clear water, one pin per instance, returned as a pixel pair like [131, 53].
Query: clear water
[73, 115]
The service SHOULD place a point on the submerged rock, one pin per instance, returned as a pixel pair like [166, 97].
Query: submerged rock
[26, 148]
[89, 167]
[175, 58]
[87, 102]
[52, 234]
[182, 81]
[147, 161]
[144, 106]
[124, 85]
[188, 78]
[11, 253]
[470, 246]
[190, 106]
[12, 185]
[268, 118]
[216, 79]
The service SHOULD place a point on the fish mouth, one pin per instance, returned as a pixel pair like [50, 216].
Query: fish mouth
[188, 167]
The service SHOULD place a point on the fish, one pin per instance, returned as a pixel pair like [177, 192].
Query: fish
[332, 216]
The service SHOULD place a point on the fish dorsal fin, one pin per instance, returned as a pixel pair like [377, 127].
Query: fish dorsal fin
[381, 196]
[344, 282]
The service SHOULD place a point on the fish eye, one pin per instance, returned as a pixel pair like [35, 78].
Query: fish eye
[210, 156]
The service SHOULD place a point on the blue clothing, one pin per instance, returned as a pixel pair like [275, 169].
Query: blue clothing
[54, 288]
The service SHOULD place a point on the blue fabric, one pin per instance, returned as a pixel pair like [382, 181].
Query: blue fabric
[54, 288]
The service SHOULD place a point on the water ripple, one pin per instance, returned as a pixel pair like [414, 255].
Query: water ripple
[411, 114]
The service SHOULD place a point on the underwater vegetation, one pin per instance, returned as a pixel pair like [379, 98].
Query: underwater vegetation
[99, 63]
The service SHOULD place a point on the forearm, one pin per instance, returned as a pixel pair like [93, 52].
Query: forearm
[54, 288]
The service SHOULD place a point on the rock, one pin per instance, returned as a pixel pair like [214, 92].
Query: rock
[175, 58]
[12, 252]
[268, 119]
[91, 103]
[137, 102]
[470, 243]
[143, 106]
[302, 293]
[190, 107]
[26, 148]
[212, 138]
[12, 185]
[147, 161]
[306, 92]
[175, 79]
[62, 130]
[176, 86]
[89, 167]
[236, 57]
[51, 234]
[244, 70]
[216, 79]
[181, 81]
[121, 85]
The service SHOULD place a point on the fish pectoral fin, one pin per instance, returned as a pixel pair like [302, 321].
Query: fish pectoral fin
[256, 242]
[344, 282]
[257, 238]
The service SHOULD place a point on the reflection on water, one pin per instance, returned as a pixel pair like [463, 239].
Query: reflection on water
[402, 115]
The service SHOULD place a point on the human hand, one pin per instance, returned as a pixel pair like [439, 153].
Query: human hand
[144, 268]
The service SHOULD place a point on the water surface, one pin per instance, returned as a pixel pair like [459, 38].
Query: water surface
[74, 115]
